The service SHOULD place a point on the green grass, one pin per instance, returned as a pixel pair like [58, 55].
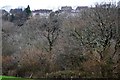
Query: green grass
[12, 78]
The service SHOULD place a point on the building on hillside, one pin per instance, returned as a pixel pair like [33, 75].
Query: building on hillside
[18, 16]
[81, 8]
[41, 12]
[16, 11]
[4, 12]
[118, 4]
[66, 9]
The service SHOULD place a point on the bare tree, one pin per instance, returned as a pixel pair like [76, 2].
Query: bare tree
[101, 33]
[52, 30]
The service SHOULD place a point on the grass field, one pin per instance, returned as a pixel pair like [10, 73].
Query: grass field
[12, 78]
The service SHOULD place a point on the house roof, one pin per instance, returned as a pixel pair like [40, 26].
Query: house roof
[42, 11]
[81, 7]
[15, 11]
[66, 8]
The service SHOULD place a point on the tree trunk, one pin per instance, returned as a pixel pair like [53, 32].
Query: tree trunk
[31, 75]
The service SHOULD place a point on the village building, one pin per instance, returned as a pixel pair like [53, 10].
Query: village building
[41, 12]
[81, 8]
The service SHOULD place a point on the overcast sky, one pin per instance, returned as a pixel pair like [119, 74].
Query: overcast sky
[48, 4]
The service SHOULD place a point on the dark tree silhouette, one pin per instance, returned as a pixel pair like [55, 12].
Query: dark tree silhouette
[27, 10]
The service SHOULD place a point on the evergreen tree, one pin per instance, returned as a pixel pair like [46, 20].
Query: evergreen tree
[28, 11]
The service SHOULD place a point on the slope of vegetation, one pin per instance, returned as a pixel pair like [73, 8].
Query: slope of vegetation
[60, 45]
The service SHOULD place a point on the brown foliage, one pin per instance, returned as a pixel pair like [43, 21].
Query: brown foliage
[7, 64]
[33, 61]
